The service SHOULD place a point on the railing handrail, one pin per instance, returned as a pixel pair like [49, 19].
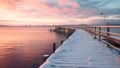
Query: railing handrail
[106, 26]
[111, 33]
[105, 34]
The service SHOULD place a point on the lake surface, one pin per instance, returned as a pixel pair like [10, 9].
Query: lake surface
[23, 47]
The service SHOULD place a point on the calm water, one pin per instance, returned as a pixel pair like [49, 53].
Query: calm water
[23, 47]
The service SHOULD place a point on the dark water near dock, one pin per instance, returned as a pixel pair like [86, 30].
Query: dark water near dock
[23, 47]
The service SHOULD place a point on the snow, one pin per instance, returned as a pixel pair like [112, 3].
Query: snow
[80, 50]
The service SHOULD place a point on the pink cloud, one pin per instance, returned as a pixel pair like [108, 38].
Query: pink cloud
[68, 11]
[8, 4]
[38, 10]
[41, 6]
[68, 2]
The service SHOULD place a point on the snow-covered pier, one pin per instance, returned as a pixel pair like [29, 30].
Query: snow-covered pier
[81, 50]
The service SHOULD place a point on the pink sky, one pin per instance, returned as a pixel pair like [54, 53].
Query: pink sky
[43, 12]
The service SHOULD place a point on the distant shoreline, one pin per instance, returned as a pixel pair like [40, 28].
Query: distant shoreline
[25, 26]
[58, 25]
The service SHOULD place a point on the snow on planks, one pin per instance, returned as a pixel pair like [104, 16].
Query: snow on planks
[80, 50]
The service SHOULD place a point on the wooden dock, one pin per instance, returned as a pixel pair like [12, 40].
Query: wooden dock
[81, 50]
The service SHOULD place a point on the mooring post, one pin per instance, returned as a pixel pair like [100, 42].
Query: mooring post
[61, 42]
[108, 30]
[95, 32]
[54, 47]
[99, 33]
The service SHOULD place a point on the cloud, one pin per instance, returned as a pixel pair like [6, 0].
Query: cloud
[114, 11]
[53, 7]
[96, 6]
[93, 3]
[41, 10]
[8, 4]
[68, 2]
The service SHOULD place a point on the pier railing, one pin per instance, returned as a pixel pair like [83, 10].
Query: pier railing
[64, 30]
[105, 35]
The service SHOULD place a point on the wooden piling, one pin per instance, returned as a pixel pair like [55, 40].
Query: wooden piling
[54, 47]
[61, 41]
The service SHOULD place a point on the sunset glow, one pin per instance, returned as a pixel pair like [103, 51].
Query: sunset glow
[57, 12]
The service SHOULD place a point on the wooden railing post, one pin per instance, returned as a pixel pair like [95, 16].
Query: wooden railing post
[95, 32]
[54, 47]
[92, 30]
[99, 33]
[108, 30]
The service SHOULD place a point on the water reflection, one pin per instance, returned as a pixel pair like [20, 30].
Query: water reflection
[23, 47]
